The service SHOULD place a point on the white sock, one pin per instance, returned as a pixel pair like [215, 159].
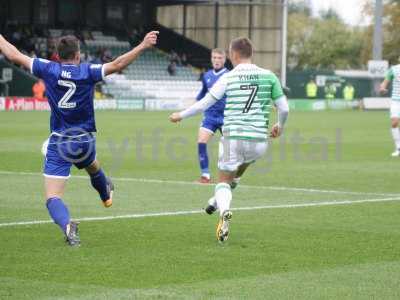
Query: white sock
[396, 137]
[212, 202]
[223, 196]
[236, 180]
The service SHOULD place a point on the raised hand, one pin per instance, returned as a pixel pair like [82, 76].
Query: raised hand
[150, 39]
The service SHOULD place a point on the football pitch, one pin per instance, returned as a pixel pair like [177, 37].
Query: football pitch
[317, 218]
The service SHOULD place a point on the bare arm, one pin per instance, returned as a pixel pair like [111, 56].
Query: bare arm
[383, 88]
[198, 107]
[216, 92]
[124, 60]
[14, 54]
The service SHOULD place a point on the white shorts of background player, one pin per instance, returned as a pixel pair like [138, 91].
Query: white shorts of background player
[395, 109]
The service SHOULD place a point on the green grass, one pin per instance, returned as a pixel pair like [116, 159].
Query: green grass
[345, 251]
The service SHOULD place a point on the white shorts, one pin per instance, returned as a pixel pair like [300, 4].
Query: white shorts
[234, 153]
[395, 109]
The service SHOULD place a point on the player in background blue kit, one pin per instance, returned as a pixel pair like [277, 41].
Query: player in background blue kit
[70, 90]
[213, 116]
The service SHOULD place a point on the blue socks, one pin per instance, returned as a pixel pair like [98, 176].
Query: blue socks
[58, 212]
[203, 158]
[99, 182]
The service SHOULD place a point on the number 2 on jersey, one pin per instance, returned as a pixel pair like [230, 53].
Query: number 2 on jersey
[63, 103]
[254, 90]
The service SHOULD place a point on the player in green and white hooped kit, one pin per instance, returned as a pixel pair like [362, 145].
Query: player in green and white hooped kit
[250, 92]
[393, 75]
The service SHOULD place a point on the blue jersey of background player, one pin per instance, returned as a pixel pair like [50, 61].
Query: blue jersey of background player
[213, 116]
[70, 91]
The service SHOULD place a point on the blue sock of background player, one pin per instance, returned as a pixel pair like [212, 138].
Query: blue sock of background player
[203, 159]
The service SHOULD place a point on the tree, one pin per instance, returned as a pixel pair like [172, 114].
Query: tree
[325, 42]
[299, 28]
[301, 7]
[332, 45]
[391, 31]
[329, 14]
[391, 34]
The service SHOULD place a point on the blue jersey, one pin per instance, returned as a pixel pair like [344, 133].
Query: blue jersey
[209, 78]
[70, 91]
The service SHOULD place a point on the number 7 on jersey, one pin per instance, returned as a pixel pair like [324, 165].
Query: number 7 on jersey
[254, 90]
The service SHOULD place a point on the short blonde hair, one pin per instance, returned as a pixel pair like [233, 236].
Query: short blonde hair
[219, 51]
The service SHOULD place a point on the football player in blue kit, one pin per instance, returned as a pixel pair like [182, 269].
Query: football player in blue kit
[70, 89]
[213, 116]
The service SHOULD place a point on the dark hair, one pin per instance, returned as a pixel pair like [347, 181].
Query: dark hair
[67, 47]
[242, 46]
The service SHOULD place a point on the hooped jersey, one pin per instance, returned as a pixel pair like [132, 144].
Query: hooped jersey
[250, 92]
[393, 75]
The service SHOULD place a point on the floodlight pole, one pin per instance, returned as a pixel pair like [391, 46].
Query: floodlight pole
[378, 34]
[284, 41]
[377, 40]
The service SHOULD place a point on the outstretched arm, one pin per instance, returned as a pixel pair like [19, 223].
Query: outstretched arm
[215, 93]
[195, 109]
[14, 54]
[124, 60]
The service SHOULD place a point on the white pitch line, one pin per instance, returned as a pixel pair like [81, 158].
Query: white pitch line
[276, 188]
[190, 212]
